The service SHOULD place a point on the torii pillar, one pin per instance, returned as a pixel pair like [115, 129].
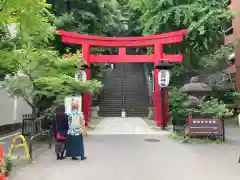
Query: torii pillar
[87, 98]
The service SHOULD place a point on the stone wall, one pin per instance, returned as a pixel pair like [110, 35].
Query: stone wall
[11, 109]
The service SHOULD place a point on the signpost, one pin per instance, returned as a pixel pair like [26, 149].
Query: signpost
[68, 100]
[205, 127]
[82, 75]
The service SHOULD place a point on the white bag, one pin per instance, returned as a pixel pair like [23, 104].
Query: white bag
[76, 122]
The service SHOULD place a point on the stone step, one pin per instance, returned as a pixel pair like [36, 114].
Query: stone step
[126, 83]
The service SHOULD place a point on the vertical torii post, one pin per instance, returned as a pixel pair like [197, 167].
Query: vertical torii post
[158, 53]
[87, 98]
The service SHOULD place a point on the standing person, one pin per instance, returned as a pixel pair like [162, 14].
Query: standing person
[60, 129]
[75, 146]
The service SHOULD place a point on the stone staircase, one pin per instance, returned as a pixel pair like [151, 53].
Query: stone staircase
[125, 88]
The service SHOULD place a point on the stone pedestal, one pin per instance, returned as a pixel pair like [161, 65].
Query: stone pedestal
[151, 113]
[95, 112]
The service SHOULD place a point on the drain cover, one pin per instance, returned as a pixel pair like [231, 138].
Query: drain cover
[152, 140]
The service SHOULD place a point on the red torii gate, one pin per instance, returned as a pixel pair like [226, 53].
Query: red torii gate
[157, 41]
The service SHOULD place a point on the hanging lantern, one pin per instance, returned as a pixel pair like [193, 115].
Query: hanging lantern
[163, 78]
[164, 74]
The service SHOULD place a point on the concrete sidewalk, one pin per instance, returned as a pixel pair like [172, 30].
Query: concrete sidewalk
[127, 149]
[233, 133]
[117, 125]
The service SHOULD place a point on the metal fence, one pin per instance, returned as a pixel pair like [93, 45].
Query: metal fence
[180, 124]
[32, 128]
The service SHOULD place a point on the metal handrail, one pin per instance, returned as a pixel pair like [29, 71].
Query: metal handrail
[30, 143]
[227, 31]
[33, 128]
[123, 97]
[31, 124]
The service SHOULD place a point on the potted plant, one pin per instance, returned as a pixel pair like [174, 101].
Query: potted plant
[8, 164]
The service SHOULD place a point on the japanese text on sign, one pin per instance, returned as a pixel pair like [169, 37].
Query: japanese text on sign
[163, 78]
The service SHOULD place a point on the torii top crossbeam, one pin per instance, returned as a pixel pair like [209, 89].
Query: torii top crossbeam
[157, 41]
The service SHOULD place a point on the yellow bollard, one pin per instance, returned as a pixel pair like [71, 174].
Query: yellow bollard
[22, 145]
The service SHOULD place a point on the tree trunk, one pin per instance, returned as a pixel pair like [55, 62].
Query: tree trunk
[34, 113]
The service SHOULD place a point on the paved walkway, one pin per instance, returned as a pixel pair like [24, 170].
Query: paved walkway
[116, 125]
[129, 156]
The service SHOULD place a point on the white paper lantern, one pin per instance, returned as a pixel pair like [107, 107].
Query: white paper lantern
[163, 78]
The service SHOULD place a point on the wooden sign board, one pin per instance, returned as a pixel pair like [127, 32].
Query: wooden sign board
[205, 127]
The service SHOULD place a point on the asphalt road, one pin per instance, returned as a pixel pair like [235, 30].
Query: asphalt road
[131, 157]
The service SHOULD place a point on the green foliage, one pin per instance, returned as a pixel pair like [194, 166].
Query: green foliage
[218, 58]
[213, 106]
[8, 163]
[32, 18]
[97, 17]
[175, 99]
[130, 19]
[233, 94]
[204, 19]
[44, 73]
[92, 17]
[34, 70]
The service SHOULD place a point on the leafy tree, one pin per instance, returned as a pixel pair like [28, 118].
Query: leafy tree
[98, 17]
[176, 100]
[205, 20]
[215, 107]
[35, 70]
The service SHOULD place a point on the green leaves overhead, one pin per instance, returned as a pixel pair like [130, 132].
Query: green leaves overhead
[32, 20]
[205, 20]
[31, 68]
[43, 73]
[92, 17]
